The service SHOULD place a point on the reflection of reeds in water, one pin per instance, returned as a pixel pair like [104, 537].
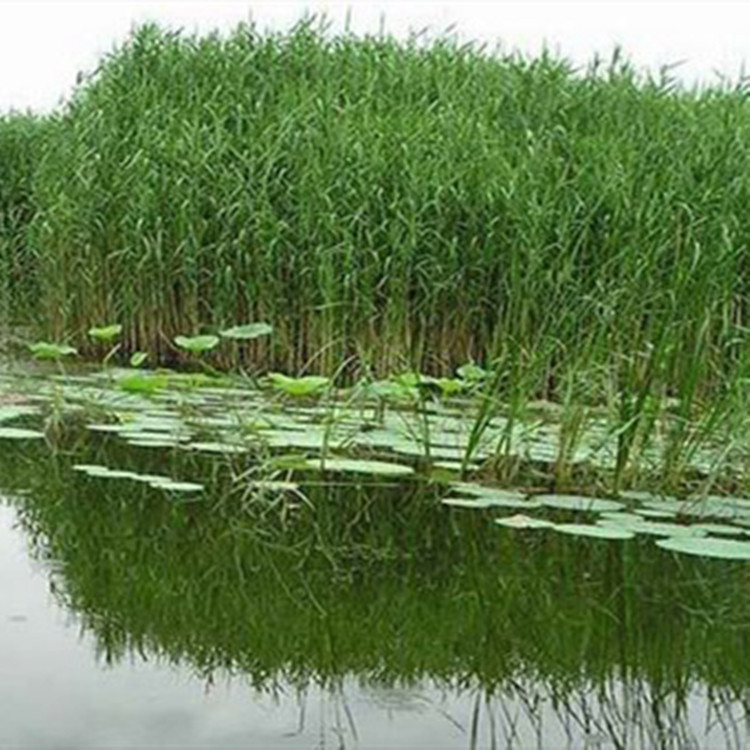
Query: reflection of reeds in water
[363, 585]
[523, 715]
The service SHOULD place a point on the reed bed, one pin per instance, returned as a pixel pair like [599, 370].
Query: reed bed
[411, 205]
[21, 137]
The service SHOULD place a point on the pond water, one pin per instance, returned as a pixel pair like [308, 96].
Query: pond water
[190, 596]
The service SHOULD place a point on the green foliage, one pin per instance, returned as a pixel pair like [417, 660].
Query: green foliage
[407, 203]
[305, 386]
[395, 205]
[247, 332]
[46, 350]
[197, 344]
[105, 334]
[21, 146]
[138, 358]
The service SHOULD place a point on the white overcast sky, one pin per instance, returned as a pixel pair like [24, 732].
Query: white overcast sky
[43, 45]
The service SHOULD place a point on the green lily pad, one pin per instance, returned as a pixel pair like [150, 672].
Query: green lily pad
[19, 433]
[305, 386]
[197, 344]
[9, 413]
[105, 333]
[171, 485]
[104, 472]
[247, 332]
[156, 442]
[654, 528]
[46, 350]
[727, 549]
[579, 503]
[358, 466]
[490, 501]
[622, 518]
[520, 521]
[143, 383]
[598, 532]
[721, 529]
[228, 448]
[480, 490]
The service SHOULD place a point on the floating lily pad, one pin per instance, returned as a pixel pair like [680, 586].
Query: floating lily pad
[19, 433]
[47, 350]
[727, 549]
[155, 442]
[306, 386]
[9, 413]
[247, 332]
[197, 344]
[490, 501]
[654, 528]
[621, 517]
[579, 503]
[480, 490]
[358, 466]
[143, 383]
[669, 504]
[721, 529]
[598, 532]
[105, 333]
[104, 472]
[171, 485]
[520, 521]
[228, 448]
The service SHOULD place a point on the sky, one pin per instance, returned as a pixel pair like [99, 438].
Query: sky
[45, 44]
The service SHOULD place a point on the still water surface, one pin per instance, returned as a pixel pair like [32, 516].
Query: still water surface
[368, 615]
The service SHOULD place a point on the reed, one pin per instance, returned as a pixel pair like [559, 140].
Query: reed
[393, 204]
[21, 138]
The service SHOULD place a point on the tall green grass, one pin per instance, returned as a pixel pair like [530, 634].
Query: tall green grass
[388, 203]
[21, 146]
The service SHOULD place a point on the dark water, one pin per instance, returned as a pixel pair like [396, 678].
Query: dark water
[368, 616]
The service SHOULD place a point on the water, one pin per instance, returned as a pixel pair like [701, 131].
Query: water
[355, 613]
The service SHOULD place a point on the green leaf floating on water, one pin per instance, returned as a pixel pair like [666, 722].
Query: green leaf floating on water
[358, 466]
[105, 333]
[305, 386]
[497, 501]
[595, 532]
[197, 344]
[9, 413]
[103, 472]
[171, 485]
[143, 383]
[138, 359]
[46, 350]
[18, 433]
[247, 332]
[721, 529]
[727, 549]
[228, 448]
[652, 528]
[579, 503]
[520, 521]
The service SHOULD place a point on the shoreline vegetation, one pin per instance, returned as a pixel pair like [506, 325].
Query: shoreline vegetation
[394, 208]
